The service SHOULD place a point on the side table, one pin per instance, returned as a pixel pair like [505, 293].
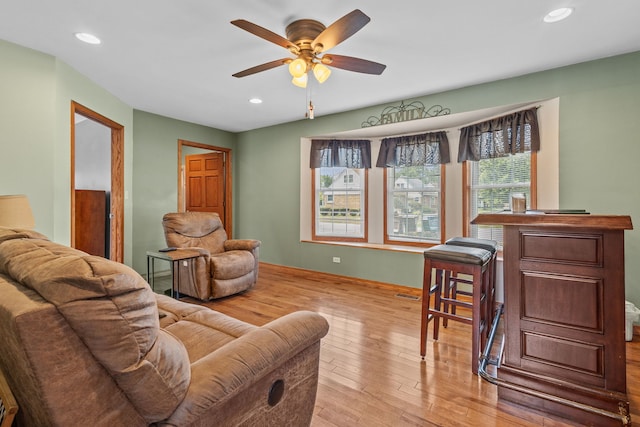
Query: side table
[174, 258]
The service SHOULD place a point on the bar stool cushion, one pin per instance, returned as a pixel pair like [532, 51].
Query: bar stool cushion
[472, 242]
[461, 254]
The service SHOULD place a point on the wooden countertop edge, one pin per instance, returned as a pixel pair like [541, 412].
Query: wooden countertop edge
[610, 222]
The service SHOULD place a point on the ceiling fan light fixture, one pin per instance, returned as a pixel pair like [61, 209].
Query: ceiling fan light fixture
[300, 81]
[298, 68]
[321, 72]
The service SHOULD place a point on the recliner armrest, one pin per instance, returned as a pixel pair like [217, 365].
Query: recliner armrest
[241, 244]
[237, 365]
[203, 252]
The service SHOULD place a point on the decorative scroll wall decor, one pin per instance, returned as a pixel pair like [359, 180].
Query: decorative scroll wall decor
[402, 113]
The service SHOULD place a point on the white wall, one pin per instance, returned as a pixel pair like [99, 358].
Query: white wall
[92, 155]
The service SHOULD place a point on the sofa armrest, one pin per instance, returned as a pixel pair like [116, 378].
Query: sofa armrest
[241, 244]
[236, 366]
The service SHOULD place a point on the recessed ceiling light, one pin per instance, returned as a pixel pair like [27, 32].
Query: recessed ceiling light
[255, 101]
[87, 38]
[558, 14]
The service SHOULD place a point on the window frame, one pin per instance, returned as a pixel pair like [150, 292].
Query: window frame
[365, 203]
[466, 191]
[442, 213]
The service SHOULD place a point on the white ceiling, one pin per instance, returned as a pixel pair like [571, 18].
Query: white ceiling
[176, 58]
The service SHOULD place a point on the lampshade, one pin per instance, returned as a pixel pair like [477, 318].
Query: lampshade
[321, 72]
[15, 212]
[298, 67]
[300, 81]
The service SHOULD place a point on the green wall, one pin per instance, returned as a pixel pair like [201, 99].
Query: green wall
[71, 85]
[27, 129]
[599, 148]
[36, 91]
[155, 176]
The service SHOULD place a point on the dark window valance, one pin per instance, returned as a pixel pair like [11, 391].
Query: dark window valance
[348, 153]
[414, 150]
[499, 137]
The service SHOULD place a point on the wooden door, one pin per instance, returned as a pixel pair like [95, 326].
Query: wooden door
[91, 222]
[115, 233]
[205, 184]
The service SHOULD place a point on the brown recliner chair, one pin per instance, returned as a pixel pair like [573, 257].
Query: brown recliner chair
[225, 266]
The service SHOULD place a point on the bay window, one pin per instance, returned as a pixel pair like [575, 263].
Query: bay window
[392, 192]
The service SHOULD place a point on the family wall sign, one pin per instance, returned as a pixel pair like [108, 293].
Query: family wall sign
[405, 112]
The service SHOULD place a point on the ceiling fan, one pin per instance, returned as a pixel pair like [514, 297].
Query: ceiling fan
[308, 40]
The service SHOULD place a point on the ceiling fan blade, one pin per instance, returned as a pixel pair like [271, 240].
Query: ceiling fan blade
[262, 67]
[265, 34]
[341, 30]
[353, 64]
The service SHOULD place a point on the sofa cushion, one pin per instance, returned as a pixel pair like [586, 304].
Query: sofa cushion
[202, 330]
[113, 311]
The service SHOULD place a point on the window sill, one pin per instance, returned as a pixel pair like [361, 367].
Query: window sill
[377, 246]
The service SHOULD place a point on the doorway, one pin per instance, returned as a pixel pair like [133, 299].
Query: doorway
[97, 184]
[204, 180]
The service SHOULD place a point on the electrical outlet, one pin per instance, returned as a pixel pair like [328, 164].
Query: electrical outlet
[336, 259]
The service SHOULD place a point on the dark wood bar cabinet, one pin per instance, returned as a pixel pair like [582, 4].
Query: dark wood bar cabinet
[564, 315]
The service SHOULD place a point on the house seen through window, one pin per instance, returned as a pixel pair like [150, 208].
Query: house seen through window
[413, 204]
[339, 177]
[340, 208]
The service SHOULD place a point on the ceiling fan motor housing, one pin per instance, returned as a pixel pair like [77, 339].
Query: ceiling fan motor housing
[303, 32]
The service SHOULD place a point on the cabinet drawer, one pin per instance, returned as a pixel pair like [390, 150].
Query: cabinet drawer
[574, 249]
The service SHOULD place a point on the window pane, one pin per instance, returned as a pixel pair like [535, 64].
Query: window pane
[413, 203]
[493, 181]
[340, 202]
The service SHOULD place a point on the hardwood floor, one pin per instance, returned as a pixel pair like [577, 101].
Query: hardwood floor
[371, 373]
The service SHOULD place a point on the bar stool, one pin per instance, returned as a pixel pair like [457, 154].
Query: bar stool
[486, 244]
[441, 263]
